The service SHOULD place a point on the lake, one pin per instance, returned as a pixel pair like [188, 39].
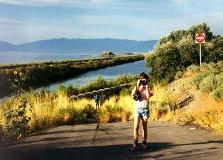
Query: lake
[7, 57]
[108, 73]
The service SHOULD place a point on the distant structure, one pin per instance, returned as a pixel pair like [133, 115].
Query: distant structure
[108, 54]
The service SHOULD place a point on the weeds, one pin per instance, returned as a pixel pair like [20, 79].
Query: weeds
[36, 110]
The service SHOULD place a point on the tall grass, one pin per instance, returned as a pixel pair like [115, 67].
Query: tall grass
[27, 113]
[210, 79]
[47, 112]
[204, 86]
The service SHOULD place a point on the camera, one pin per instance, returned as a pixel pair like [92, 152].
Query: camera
[136, 96]
[143, 82]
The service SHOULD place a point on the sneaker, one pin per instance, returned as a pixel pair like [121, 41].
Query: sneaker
[133, 147]
[144, 146]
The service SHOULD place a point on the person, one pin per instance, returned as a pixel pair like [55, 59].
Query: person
[141, 110]
[97, 100]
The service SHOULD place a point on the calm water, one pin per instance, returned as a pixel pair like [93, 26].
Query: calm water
[28, 57]
[107, 73]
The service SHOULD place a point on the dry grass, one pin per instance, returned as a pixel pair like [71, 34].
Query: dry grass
[47, 110]
[204, 110]
[117, 109]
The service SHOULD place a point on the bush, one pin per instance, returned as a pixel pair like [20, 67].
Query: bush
[197, 80]
[218, 93]
[210, 79]
[52, 71]
[177, 51]
[208, 83]
[16, 120]
[89, 112]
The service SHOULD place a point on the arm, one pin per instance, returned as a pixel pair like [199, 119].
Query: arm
[147, 92]
[136, 87]
[133, 91]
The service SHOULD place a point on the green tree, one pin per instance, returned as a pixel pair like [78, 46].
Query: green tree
[178, 50]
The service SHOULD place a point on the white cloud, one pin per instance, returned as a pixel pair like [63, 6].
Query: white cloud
[51, 2]
[37, 2]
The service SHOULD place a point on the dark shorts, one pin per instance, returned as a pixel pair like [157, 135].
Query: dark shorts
[142, 112]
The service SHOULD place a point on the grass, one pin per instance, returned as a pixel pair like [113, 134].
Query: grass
[51, 111]
[204, 107]
[27, 76]
[33, 111]
[184, 101]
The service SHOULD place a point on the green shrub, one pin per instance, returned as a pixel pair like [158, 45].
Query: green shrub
[210, 79]
[177, 51]
[218, 93]
[197, 80]
[208, 83]
[125, 91]
[52, 72]
[17, 120]
[89, 112]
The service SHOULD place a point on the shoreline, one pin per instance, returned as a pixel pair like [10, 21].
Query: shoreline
[41, 74]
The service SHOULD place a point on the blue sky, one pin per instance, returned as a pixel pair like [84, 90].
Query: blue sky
[30, 20]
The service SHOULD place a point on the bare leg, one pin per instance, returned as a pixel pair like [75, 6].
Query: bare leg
[136, 129]
[144, 127]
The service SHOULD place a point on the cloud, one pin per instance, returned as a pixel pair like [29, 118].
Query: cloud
[37, 2]
[127, 19]
[51, 2]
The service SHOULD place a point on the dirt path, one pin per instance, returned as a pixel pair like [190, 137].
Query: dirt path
[111, 141]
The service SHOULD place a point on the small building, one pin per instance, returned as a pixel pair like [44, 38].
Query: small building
[108, 54]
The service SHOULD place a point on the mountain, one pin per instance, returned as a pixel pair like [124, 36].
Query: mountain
[83, 45]
[5, 46]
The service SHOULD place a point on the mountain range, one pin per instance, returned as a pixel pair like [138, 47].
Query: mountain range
[81, 45]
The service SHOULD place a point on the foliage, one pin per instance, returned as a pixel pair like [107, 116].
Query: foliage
[28, 112]
[209, 79]
[39, 74]
[178, 50]
[206, 98]
[16, 120]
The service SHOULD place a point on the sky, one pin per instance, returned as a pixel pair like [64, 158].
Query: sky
[24, 21]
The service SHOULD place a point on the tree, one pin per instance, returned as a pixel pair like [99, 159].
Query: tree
[178, 50]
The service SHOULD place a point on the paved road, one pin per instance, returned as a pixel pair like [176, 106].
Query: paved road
[111, 141]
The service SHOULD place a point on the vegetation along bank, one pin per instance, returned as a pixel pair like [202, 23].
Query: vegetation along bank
[27, 76]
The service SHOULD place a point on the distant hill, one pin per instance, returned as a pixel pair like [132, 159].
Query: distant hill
[5, 46]
[81, 45]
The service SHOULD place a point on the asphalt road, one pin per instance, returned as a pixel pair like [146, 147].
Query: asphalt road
[166, 141]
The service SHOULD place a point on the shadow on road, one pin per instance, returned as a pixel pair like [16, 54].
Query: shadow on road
[95, 152]
[90, 153]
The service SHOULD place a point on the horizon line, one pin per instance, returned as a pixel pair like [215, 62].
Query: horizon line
[33, 41]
